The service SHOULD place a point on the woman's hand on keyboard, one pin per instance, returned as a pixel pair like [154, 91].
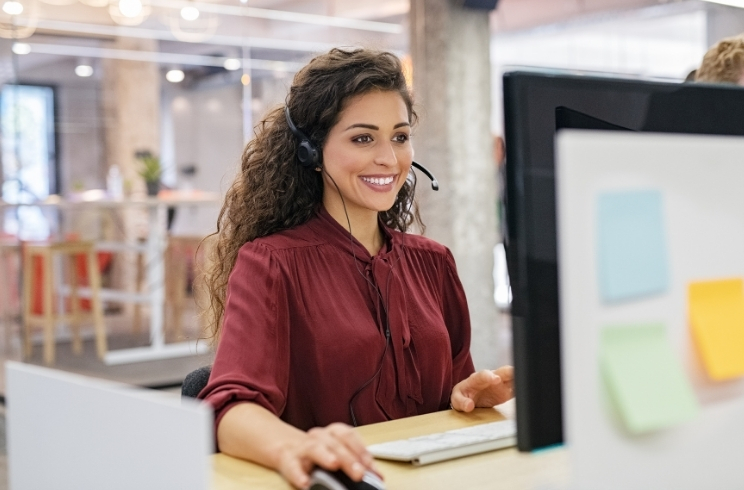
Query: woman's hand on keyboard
[483, 389]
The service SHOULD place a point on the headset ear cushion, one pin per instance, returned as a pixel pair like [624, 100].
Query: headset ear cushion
[302, 154]
[307, 154]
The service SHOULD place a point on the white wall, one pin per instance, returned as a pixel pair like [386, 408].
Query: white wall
[659, 42]
[206, 131]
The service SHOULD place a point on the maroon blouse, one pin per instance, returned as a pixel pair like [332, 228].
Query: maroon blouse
[304, 327]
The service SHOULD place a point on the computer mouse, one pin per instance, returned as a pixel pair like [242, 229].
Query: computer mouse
[321, 479]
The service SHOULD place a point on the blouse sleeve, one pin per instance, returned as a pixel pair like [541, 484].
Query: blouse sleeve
[252, 361]
[457, 320]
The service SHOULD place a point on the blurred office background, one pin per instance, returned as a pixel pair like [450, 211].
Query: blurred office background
[86, 84]
[97, 81]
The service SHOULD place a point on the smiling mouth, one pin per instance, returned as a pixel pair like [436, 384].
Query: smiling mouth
[379, 181]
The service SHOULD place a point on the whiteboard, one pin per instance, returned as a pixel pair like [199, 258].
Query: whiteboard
[701, 179]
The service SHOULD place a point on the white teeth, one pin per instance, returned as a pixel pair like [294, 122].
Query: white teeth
[378, 181]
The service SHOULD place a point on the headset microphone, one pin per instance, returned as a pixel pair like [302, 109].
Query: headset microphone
[425, 171]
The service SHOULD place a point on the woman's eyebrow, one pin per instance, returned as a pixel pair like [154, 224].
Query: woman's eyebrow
[373, 127]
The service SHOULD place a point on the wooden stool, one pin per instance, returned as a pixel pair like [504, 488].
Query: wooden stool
[47, 318]
[10, 251]
[180, 254]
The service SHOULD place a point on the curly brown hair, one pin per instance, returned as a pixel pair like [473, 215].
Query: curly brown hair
[723, 63]
[272, 191]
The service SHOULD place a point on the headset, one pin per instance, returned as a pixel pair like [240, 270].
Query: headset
[310, 157]
[307, 154]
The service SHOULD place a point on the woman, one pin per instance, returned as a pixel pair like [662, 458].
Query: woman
[723, 63]
[327, 313]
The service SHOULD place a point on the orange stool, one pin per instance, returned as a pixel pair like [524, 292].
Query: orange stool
[46, 315]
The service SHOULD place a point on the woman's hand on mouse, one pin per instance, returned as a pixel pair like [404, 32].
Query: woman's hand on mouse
[483, 389]
[337, 446]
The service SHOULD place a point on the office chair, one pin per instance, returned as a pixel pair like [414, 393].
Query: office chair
[195, 381]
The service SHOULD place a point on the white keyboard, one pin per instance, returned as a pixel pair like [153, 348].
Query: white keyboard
[448, 445]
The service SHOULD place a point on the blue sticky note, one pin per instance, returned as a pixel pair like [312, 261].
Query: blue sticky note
[631, 243]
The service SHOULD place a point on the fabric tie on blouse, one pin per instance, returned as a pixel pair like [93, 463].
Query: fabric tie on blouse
[395, 394]
[394, 295]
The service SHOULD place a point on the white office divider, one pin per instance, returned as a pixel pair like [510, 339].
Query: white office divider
[67, 431]
[697, 186]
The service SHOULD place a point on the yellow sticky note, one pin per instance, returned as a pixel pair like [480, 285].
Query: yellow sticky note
[717, 321]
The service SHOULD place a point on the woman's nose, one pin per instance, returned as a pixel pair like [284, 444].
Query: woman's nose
[386, 155]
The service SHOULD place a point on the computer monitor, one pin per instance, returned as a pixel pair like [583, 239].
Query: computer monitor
[68, 431]
[536, 105]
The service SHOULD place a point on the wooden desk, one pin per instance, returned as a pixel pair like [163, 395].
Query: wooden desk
[505, 468]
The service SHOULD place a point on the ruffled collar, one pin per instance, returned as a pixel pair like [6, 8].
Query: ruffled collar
[334, 233]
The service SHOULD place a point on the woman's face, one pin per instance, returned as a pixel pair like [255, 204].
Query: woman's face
[368, 153]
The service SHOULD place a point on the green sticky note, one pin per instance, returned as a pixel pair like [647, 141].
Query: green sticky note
[644, 378]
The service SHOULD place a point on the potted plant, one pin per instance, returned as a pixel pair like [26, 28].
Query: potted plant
[150, 170]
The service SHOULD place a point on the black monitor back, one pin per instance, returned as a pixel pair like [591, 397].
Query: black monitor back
[536, 105]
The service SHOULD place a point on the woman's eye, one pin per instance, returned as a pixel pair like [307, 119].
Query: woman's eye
[401, 138]
[365, 138]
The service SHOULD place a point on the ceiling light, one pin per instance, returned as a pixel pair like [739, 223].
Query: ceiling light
[189, 13]
[279, 70]
[192, 24]
[232, 64]
[21, 48]
[174, 76]
[245, 79]
[83, 70]
[12, 8]
[130, 8]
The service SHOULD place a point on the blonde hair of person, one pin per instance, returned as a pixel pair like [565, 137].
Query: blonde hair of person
[724, 62]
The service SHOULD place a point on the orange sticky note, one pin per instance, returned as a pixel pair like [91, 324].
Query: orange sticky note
[717, 321]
